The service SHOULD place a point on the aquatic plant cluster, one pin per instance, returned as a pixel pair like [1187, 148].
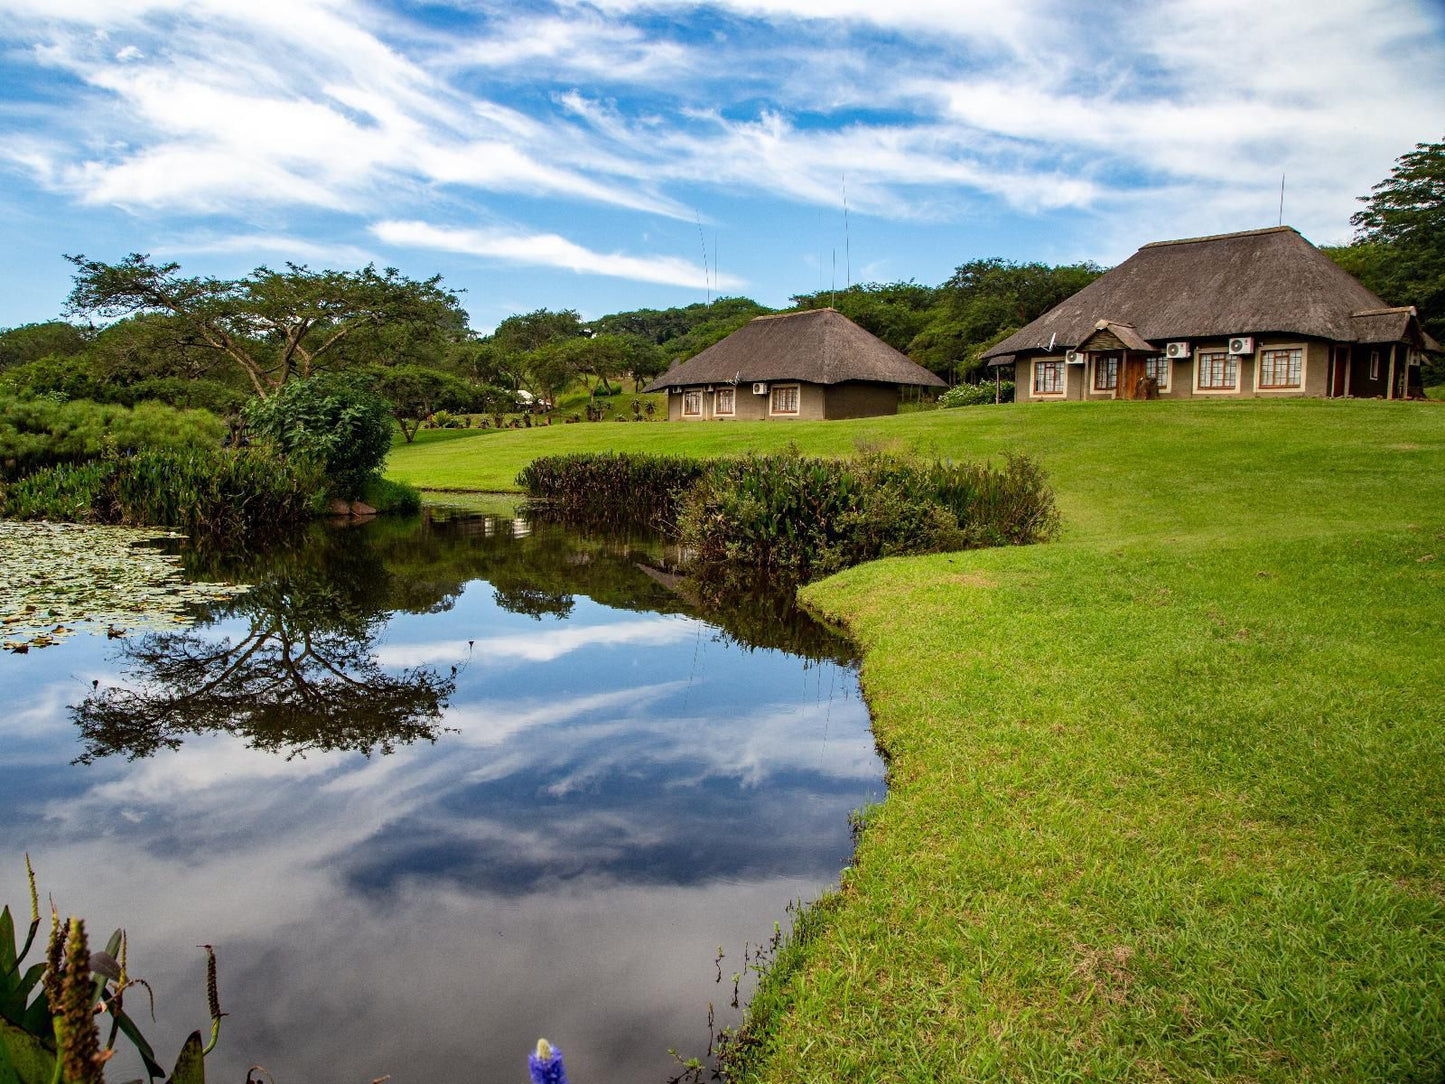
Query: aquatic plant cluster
[52, 1011]
[797, 517]
[614, 487]
[57, 578]
[206, 492]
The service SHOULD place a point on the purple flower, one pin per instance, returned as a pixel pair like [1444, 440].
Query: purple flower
[546, 1064]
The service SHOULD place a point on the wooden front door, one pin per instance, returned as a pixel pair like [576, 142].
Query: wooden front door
[1131, 377]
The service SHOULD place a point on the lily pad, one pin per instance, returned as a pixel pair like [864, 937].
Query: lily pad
[57, 579]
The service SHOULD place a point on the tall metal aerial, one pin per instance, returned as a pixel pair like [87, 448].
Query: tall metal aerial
[702, 241]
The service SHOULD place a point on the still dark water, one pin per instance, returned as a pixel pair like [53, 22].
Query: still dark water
[416, 870]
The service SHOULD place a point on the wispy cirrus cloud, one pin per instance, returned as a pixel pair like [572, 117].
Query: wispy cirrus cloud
[547, 250]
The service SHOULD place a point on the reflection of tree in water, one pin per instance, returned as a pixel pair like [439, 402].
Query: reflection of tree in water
[301, 678]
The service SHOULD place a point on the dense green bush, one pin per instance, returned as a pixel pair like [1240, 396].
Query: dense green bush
[800, 518]
[69, 378]
[41, 432]
[609, 487]
[333, 422]
[390, 496]
[796, 518]
[208, 493]
[977, 394]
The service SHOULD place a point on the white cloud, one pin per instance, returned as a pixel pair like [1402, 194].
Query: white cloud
[544, 645]
[547, 250]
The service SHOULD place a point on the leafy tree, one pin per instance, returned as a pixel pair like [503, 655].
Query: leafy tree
[896, 312]
[415, 393]
[332, 420]
[532, 331]
[30, 342]
[272, 325]
[1399, 247]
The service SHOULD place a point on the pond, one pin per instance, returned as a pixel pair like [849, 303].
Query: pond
[434, 788]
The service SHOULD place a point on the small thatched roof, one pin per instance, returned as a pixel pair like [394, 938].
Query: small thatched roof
[1107, 332]
[821, 346]
[1250, 283]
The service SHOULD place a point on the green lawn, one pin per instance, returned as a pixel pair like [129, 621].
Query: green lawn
[1167, 796]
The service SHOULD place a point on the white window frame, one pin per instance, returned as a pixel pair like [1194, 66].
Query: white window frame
[1063, 367]
[1374, 365]
[797, 391]
[717, 409]
[690, 397]
[1199, 355]
[1285, 389]
[1166, 365]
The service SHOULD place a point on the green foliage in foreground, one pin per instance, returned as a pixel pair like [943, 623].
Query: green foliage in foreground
[978, 394]
[52, 1011]
[795, 518]
[613, 487]
[41, 432]
[1167, 796]
[210, 493]
[332, 422]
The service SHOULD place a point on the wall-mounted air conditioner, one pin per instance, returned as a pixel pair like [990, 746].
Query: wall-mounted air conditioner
[760, 389]
[1241, 344]
[1073, 357]
[1176, 350]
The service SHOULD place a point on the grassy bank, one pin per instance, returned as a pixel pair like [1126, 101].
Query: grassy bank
[1167, 797]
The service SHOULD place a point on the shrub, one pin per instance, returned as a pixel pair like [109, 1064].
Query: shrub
[331, 421]
[208, 493]
[977, 394]
[798, 518]
[389, 496]
[38, 433]
[612, 486]
[794, 517]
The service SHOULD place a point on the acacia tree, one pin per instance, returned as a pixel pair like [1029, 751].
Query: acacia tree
[273, 325]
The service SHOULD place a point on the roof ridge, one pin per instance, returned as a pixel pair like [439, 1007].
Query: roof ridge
[785, 315]
[1221, 236]
[1389, 310]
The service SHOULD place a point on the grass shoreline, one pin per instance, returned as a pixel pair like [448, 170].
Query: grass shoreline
[1166, 797]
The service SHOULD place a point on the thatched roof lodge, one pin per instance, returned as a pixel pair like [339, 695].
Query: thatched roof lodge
[796, 365]
[1261, 313]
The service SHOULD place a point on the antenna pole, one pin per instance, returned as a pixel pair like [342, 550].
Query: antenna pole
[701, 240]
[1281, 197]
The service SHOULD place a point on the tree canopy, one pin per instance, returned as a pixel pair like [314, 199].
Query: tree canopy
[1400, 235]
[274, 325]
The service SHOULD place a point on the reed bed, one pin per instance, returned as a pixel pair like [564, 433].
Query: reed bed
[207, 493]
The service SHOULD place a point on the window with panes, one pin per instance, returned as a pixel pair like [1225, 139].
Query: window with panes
[1106, 373]
[1218, 371]
[723, 404]
[692, 403]
[1048, 378]
[785, 399]
[1158, 368]
[1281, 368]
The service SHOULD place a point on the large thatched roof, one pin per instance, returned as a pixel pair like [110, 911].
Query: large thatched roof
[821, 346]
[1250, 283]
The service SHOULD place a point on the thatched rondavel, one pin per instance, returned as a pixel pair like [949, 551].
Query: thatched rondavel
[796, 365]
[1261, 313]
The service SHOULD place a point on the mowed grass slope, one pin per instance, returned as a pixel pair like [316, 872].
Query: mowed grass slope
[1167, 796]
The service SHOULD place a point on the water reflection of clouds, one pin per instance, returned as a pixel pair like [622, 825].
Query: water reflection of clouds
[621, 796]
[546, 645]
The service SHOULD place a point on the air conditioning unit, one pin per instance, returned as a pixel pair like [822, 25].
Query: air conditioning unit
[1073, 357]
[760, 389]
[1176, 350]
[1241, 344]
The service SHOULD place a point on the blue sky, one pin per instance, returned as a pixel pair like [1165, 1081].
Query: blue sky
[566, 154]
